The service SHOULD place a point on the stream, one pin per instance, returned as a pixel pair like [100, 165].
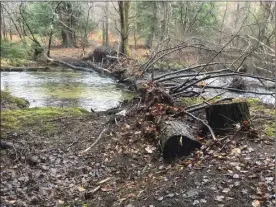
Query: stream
[65, 89]
[90, 90]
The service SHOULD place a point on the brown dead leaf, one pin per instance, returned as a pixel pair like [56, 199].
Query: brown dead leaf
[81, 189]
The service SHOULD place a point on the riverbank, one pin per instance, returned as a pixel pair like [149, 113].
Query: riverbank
[56, 161]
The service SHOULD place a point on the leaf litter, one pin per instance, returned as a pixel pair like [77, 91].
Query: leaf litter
[126, 168]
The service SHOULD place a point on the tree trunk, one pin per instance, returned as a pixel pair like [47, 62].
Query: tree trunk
[106, 24]
[176, 139]
[149, 39]
[124, 17]
[103, 34]
[67, 20]
[224, 116]
[68, 38]
[265, 9]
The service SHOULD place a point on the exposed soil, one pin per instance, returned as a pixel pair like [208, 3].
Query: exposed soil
[125, 168]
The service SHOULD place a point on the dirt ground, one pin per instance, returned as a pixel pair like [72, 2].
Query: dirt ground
[64, 167]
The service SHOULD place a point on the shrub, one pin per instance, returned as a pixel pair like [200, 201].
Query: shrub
[14, 50]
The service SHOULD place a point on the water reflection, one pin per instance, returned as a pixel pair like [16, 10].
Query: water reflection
[64, 89]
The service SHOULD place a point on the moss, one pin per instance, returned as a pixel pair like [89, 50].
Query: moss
[11, 102]
[15, 119]
[195, 100]
[253, 101]
[269, 129]
[172, 65]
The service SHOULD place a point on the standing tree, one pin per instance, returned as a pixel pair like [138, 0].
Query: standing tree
[124, 23]
[105, 25]
[68, 20]
[147, 21]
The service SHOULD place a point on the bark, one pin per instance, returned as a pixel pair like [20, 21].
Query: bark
[265, 8]
[124, 23]
[225, 115]
[176, 139]
[51, 30]
[106, 26]
[14, 23]
[149, 40]
[67, 20]
[68, 38]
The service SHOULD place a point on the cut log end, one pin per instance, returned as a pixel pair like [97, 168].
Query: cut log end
[178, 146]
[176, 140]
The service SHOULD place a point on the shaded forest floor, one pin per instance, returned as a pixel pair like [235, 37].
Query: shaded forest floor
[52, 164]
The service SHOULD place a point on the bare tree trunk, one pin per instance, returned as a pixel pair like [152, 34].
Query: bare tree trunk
[124, 17]
[103, 34]
[51, 31]
[14, 23]
[149, 40]
[166, 6]
[265, 9]
[3, 24]
[222, 24]
[85, 38]
[235, 41]
[10, 33]
[67, 20]
[106, 24]
[38, 49]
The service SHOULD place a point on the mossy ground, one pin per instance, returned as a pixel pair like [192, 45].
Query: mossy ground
[11, 102]
[69, 163]
[16, 116]
[39, 118]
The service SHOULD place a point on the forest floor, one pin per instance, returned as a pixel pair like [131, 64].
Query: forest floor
[54, 162]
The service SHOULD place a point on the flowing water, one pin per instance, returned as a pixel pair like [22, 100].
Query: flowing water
[90, 90]
[64, 89]
[252, 84]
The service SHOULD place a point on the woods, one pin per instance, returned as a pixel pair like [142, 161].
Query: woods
[138, 103]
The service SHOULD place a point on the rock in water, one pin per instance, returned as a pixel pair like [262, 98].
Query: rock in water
[238, 83]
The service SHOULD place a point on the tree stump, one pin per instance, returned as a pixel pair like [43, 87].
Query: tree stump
[226, 115]
[176, 139]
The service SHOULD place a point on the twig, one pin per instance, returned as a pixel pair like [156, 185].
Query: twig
[95, 142]
[184, 70]
[238, 90]
[202, 107]
[191, 74]
[191, 84]
[195, 105]
[203, 122]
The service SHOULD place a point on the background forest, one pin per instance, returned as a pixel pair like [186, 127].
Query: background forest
[31, 28]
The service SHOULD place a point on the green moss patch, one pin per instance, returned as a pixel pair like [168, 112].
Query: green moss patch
[36, 117]
[196, 100]
[11, 102]
[168, 65]
[269, 128]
